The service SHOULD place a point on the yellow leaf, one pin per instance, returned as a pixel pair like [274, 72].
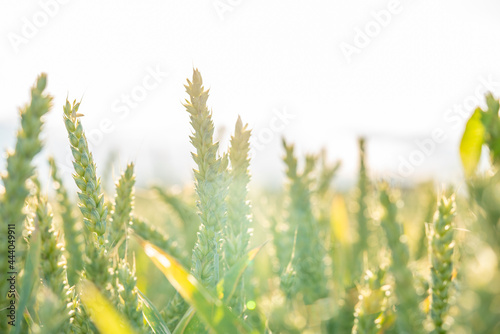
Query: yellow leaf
[339, 220]
[102, 313]
[472, 142]
[211, 310]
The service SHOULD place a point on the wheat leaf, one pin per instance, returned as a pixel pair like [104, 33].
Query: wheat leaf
[228, 284]
[211, 310]
[102, 313]
[30, 277]
[152, 316]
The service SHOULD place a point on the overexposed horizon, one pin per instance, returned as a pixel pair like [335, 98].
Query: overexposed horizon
[403, 74]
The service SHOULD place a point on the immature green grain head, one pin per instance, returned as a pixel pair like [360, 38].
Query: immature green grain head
[441, 255]
[53, 264]
[128, 301]
[326, 175]
[122, 210]
[81, 323]
[361, 214]
[309, 255]
[211, 184]
[238, 208]
[20, 169]
[28, 144]
[91, 198]
[237, 233]
[71, 227]
[409, 315]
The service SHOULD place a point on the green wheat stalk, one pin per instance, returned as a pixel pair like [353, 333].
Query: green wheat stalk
[326, 175]
[128, 301]
[71, 227]
[122, 209]
[441, 253]
[20, 169]
[90, 198]
[308, 260]
[361, 214]
[81, 323]
[211, 184]
[211, 180]
[52, 261]
[409, 315]
[237, 233]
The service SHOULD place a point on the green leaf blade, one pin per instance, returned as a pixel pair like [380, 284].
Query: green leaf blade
[152, 316]
[211, 310]
[228, 284]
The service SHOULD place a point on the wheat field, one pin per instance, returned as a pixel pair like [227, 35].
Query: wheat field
[214, 257]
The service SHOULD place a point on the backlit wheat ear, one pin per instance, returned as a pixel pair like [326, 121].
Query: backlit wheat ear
[361, 214]
[19, 169]
[128, 301]
[91, 199]
[122, 210]
[53, 264]
[237, 234]
[81, 323]
[71, 227]
[409, 316]
[326, 175]
[174, 311]
[308, 260]
[211, 184]
[441, 255]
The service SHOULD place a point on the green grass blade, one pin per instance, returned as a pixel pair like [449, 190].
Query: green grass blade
[30, 277]
[152, 316]
[211, 310]
[228, 284]
[225, 290]
[189, 323]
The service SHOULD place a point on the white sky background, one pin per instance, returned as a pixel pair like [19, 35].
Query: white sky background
[262, 57]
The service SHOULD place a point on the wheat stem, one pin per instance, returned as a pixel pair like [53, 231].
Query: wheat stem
[19, 170]
[53, 264]
[237, 233]
[308, 260]
[90, 199]
[122, 209]
[409, 315]
[71, 227]
[441, 254]
[211, 185]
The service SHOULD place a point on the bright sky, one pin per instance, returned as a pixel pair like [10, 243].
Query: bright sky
[332, 70]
